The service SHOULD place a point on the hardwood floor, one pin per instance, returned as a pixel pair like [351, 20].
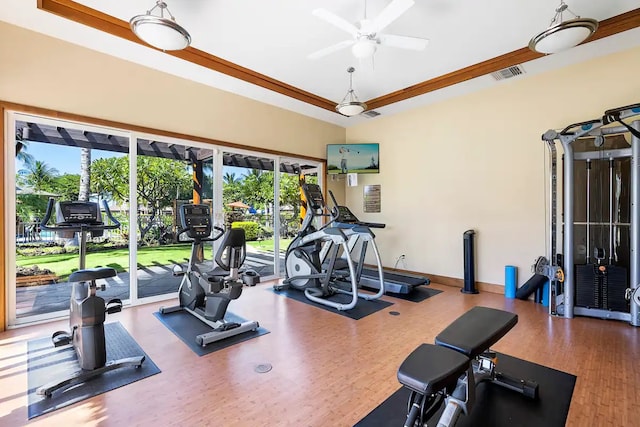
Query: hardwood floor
[328, 370]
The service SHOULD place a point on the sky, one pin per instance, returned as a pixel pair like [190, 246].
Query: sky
[61, 157]
[66, 159]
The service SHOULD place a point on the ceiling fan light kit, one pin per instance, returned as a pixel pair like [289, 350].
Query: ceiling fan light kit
[350, 104]
[562, 35]
[364, 48]
[159, 31]
[368, 34]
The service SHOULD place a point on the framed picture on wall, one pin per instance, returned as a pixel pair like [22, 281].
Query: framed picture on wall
[353, 158]
[371, 199]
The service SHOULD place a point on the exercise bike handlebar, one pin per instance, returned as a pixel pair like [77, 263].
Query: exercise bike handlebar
[79, 226]
[220, 231]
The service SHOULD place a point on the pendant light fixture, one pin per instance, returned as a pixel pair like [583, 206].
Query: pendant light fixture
[350, 104]
[159, 31]
[561, 34]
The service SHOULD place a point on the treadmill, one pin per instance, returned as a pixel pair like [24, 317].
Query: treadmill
[394, 282]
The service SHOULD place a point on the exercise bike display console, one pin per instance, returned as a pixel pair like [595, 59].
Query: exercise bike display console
[73, 212]
[195, 220]
[87, 310]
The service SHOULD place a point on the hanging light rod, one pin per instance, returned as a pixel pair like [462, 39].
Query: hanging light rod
[159, 31]
[562, 35]
[350, 104]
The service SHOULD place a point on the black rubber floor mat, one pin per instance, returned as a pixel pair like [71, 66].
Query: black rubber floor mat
[46, 363]
[496, 406]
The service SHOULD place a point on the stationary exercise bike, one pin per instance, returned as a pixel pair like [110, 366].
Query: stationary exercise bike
[87, 310]
[310, 261]
[206, 295]
[448, 372]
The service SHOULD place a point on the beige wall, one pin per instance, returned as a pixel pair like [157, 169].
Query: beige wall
[477, 162]
[40, 71]
[45, 72]
[471, 162]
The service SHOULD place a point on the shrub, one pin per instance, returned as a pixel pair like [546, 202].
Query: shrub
[265, 233]
[251, 229]
[40, 250]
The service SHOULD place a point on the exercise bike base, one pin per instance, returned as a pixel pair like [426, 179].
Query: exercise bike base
[221, 330]
[214, 336]
[83, 376]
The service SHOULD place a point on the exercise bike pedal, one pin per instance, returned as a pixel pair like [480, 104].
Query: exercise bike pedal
[227, 326]
[60, 338]
[113, 306]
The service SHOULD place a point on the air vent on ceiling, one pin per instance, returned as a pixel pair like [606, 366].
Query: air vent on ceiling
[371, 113]
[508, 73]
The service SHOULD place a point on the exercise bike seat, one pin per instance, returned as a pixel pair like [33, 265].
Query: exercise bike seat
[89, 274]
[475, 331]
[430, 368]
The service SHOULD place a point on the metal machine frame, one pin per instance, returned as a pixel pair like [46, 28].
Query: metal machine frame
[562, 277]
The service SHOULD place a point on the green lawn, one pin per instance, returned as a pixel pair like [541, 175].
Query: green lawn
[64, 264]
[267, 245]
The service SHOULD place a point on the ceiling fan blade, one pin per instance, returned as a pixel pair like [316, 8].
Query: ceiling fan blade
[333, 48]
[337, 21]
[390, 14]
[403, 42]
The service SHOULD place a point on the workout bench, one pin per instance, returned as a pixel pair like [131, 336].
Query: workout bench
[449, 371]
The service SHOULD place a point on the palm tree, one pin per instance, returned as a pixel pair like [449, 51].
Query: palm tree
[230, 178]
[257, 188]
[21, 150]
[41, 175]
[85, 174]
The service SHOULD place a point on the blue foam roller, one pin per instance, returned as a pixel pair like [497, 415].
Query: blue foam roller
[545, 294]
[510, 281]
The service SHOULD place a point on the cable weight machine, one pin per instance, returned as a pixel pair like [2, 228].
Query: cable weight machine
[597, 272]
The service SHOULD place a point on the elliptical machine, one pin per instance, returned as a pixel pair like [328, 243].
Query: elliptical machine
[206, 295]
[87, 310]
[310, 261]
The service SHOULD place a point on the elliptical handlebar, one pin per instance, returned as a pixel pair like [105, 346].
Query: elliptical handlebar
[335, 211]
[77, 224]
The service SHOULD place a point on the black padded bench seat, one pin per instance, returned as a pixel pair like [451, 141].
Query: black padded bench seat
[430, 368]
[476, 330]
[89, 274]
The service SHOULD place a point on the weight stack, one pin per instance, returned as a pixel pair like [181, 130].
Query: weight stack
[614, 289]
[588, 287]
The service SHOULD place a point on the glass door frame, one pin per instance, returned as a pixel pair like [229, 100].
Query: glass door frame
[10, 203]
[133, 182]
[10, 118]
[292, 159]
[218, 170]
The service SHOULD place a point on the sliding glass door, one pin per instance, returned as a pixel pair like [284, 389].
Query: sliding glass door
[144, 183]
[292, 206]
[53, 160]
[168, 175]
[248, 195]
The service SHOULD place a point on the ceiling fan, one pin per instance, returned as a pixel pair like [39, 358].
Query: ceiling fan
[367, 35]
